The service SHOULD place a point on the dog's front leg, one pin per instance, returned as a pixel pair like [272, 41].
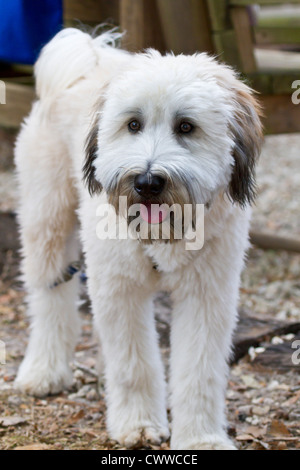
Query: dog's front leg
[203, 321]
[124, 320]
[136, 408]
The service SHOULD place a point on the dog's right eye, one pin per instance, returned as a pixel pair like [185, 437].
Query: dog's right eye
[134, 126]
[185, 128]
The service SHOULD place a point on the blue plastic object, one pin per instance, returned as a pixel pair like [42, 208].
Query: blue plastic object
[26, 26]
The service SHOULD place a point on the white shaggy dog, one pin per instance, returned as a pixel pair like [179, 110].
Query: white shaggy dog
[156, 129]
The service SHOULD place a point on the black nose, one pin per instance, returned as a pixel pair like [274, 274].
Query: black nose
[148, 185]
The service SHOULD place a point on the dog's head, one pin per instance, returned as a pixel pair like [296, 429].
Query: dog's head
[175, 130]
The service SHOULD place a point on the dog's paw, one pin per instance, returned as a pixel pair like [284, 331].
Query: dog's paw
[140, 436]
[38, 381]
[209, 442]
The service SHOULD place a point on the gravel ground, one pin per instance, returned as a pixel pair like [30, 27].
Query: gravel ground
[263, 401]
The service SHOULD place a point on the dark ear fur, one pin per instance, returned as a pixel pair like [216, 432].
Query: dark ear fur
[247, 132]
[91, 149]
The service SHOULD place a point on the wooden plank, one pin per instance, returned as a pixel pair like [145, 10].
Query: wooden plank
[219, 15]
[291, 20]
[186, 25]
[282, 116]
[18, 104]
[275, 82]
[282, 83]
[245, 44]
[268, 241]
[262, 2]
[277, 61]
[15, 70]
[263, 83]
[266, 36]
[226, 47]
[91, 11]
[278, 357]
[251, 331]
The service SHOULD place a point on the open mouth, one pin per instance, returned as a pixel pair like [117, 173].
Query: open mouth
[153, 213]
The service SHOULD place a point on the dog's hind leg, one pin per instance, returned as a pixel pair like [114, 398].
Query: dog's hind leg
[49, 244]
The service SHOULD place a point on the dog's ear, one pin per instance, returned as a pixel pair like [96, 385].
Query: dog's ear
[246, 129]
[91, 150]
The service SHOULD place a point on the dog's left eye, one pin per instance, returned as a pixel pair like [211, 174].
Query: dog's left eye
[134, 126]
[185, 128]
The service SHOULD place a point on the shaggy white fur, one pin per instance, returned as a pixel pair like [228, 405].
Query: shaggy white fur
[88, 92]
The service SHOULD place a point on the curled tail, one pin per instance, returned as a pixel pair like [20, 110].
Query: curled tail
[69, 56]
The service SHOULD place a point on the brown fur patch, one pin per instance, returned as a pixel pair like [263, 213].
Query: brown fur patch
[91, 149]
[248, 136]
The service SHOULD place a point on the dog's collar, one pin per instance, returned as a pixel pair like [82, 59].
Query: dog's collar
[68, 274]
[73, 269]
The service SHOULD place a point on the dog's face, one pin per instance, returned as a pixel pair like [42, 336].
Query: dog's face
[174, 130]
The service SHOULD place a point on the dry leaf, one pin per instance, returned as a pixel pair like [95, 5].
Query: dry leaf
[293, 400]
[89, 433]
[278, 428]
[77, 416]
[256, 432]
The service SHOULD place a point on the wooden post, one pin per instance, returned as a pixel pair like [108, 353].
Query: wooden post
[132, 22]
[218, 14]
[186, 25]
[140, 20]
[245, 42]
[92, 12]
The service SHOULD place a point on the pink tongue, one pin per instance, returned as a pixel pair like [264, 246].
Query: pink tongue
[153, 213]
